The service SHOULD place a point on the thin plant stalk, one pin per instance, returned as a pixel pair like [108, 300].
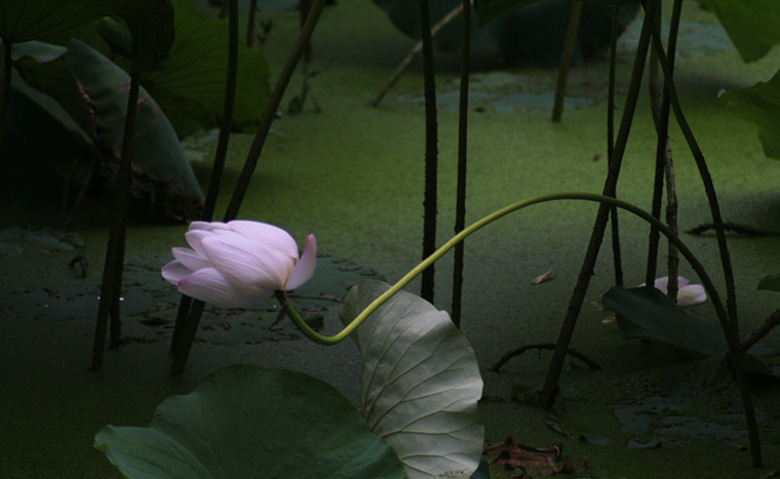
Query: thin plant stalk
[416, 49]
[218, 166]
[709, 186]
[661, 127]
[673, 260]
[112, 269]
[617, 257]
[732, 331]
[757, 334]
[460, 201]
[431, 152]
[245, 178]
[550, 387]
[569, 44]
[242, 185]
[250, 23]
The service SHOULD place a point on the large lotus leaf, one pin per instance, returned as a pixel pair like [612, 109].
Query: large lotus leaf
[151, 22]
[245, 421]
[761, 105]
[752, 25]
[487, 10]
[533, 34]
[158, 160]
[647, 313]
[191, 88]
[420, 383]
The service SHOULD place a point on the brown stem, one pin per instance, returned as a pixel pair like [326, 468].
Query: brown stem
[112, 270]
[219, 156]
[190, 327]
[431, 153]
[250, 23]
[245, 178]
[730, 325]
[416, 49]
[769, 324]
[550, 388]
[460, 201]
[569, 44]
[617, 258]
[517, 352]
[661, 127]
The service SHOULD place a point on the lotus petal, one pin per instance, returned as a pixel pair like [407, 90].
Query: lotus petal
[304, 268]
[245, 261]
[211, 286]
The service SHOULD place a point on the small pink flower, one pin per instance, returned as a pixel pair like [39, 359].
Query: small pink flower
[687, 294]
[239, 263]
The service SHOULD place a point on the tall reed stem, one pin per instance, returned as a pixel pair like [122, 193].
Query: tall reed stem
[115, 252]
[550, 387]
[460, 201]
[431, 152]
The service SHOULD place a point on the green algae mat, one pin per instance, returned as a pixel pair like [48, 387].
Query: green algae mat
[353, 175]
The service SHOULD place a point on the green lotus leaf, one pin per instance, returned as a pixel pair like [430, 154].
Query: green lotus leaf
[191, 87]
[150, 21]
[761, 105]
[751, 25]
[647, 313]
[161, 168]
[420, 383]
[245, 421]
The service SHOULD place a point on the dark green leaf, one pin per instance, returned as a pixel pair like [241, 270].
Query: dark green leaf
[199, 52]
[770, 283]
[248, 422]
[647, 313]
[161, 166]
[752, 25]
[761, 105]
[191, 88]
[151, 22]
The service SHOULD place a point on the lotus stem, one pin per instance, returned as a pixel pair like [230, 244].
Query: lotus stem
[242, 185]
[569, 44]
[460, 200]
[431, 151]
[476, 226]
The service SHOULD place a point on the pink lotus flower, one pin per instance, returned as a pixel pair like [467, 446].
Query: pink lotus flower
[239, 263]
[687, 294]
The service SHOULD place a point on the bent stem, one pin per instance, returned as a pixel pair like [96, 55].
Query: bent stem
[474, 227]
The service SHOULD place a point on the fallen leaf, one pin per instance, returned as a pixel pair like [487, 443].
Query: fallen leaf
[546, 276]
[523, 457]
[609, 320]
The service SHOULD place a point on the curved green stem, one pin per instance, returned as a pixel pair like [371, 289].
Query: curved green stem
[673, 238]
